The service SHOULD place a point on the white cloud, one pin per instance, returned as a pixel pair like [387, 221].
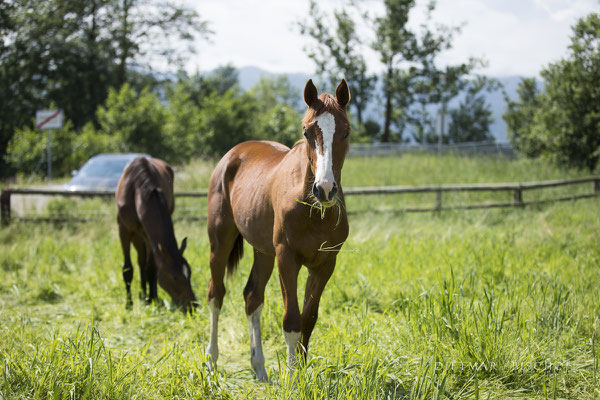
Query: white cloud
[566, 10]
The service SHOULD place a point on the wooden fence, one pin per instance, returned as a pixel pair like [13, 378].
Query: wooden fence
[439, 190]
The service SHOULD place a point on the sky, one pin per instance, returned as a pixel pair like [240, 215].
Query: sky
[515, 37]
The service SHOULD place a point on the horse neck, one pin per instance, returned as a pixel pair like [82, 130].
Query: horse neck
[157, 223]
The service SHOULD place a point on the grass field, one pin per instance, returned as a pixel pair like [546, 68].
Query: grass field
[491, 304]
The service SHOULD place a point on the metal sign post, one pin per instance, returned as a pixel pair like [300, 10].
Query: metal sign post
[49, 119]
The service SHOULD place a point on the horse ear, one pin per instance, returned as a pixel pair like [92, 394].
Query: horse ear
[310, 93]
[342, 94]
[183, 245]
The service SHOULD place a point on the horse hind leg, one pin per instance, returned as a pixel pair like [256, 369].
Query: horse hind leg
[254, 295]
[125, 237]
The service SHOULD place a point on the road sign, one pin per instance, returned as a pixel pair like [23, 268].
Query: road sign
[49, 119]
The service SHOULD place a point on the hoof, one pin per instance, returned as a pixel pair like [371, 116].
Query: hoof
[212, 366]
[262, 376]
[129, 305]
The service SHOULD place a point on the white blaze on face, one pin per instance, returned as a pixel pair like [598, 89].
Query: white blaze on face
[324, 174]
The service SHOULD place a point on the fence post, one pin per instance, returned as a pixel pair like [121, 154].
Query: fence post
[438, 199]
[518, 197]
[5, 207]
[596, 186]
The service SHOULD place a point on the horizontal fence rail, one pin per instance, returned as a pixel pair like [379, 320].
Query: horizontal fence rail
[438, 190]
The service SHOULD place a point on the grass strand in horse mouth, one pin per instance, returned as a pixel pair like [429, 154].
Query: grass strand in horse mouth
[323, 206]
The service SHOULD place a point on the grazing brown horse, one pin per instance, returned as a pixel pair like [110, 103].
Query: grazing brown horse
[145, 203]
[267, 193]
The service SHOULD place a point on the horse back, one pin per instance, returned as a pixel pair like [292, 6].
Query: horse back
[240, 191]
[141, 177]
[252, 160]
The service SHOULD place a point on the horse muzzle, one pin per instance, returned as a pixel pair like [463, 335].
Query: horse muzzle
[325, 192]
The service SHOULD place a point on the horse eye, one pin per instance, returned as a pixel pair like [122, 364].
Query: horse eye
[304, 133]
[347, 133]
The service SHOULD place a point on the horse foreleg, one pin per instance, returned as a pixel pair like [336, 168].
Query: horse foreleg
[317, 279]
[151, 276]
[289, 267]
[140, 246]
[254, 295]
[125, 237]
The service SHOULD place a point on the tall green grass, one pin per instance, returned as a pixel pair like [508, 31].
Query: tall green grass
[496, 304]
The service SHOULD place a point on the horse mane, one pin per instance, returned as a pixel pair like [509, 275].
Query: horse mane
[144, 175]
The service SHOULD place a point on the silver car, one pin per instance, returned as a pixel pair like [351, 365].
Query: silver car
[101, 172]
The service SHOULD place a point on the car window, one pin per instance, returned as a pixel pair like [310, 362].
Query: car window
[103, 168]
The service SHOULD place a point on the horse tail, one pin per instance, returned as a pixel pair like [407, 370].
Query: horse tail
[236, 254]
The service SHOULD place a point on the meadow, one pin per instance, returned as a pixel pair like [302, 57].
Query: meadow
[485, 304]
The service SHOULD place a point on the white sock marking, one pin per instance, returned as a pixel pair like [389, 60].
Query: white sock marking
[213, 346]
[324, 174]
[291, 340]
[257, 359]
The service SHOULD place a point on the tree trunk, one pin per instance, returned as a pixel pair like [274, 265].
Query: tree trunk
[124, 42]
[388, 105]
[358, 105]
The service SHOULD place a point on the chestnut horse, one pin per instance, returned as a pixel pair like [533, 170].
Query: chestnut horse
[266, 193]
[145, 203]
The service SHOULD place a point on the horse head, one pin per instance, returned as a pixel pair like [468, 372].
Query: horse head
[326, 129]
[174, 276]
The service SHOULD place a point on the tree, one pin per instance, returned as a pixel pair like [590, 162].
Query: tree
[394, 43]
[225, 121]
[519, 117]
[278, 108]
[337, 54]
[471, 121]
[71, 53]
[566, 120]
[411, 76]
[142, 29]
[272, 91]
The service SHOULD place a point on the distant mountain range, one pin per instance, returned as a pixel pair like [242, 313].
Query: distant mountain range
[248, 76]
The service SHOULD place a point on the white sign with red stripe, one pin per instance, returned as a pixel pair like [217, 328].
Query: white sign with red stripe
[49, 119]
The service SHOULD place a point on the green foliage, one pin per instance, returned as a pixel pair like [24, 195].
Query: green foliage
[280, 124]
[277, 116]
[27, 149]
[562, 123]
[338, 53]
[226, 120]
[366, 132]
[271, 92]
[519, 117]
[471, 121]
[70, 52]
[134, 121]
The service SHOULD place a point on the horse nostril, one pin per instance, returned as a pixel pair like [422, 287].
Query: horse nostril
[333, 192]
[316, 190]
